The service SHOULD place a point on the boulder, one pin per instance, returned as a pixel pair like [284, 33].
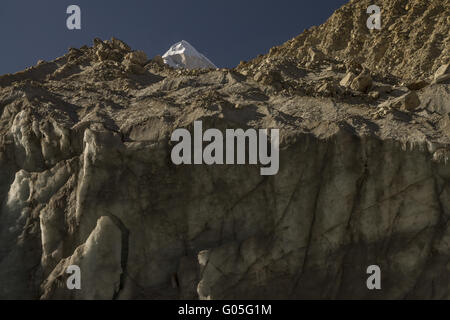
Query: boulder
[115, 55]
[133, 67]
[374, 95]
[354, 65]
[137, 57]
[329, 89]
[407, 102]
[443, 78]
[362, 83]
[417, 85]
[102, 54]
[258, 76]
[384, 89]
[159, 60]
[410, 101]
[315, 55]
[183, 55]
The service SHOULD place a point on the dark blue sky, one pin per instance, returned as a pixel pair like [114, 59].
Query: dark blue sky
[226, 31]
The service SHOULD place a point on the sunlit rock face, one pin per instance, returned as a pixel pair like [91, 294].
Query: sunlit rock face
[86, 176]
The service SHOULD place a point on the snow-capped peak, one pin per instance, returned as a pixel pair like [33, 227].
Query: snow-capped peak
[183, 55]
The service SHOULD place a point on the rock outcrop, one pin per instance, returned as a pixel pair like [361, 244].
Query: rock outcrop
[183, 55]
[86, 176]
[413, 40]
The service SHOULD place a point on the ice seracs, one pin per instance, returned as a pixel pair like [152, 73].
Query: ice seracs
[184, 55]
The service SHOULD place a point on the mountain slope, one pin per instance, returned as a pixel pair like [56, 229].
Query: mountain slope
[413, 42]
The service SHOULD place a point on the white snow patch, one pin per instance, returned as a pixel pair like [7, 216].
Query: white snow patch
[184, 55]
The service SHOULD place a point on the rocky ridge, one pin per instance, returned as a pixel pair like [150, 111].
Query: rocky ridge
[183, 55]
[413, 41]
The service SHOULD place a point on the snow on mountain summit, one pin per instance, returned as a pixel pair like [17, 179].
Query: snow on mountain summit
[183, 55]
